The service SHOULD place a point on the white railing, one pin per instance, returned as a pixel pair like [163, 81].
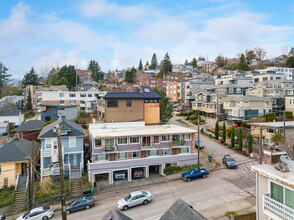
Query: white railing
[27, 182]
[46, 153]
[277, 208]
[17, 178]
[76, 172]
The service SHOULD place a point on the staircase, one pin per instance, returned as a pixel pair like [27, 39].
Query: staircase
[76, 189]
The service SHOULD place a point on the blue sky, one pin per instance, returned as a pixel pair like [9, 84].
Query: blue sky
[47, 34]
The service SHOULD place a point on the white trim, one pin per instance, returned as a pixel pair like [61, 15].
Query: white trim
[135, 137]
[95, 144]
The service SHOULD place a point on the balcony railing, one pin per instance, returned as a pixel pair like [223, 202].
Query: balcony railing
[279, 209]
[108, 148]
[178, 143]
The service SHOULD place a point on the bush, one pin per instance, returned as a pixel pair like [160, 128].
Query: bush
[47, 123]
[244, 152]
[84, 114]
[193, 117]
[230, 146]
[210, 135]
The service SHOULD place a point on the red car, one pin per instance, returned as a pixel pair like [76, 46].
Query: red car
[138, 174]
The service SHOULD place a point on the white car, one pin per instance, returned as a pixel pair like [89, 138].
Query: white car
[134, 199]
[40, 213]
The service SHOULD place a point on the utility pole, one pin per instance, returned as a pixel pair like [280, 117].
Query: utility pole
[62, 191]
[260, 145]
[284, 127]
[30, 182]
[198, 140]
[216, 104]
[33, 173]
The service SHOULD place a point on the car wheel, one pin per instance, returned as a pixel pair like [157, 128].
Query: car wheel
[87, 206]
[67, 212]
[125, 207]
[145, 202]
[45, 218]
[189, 179]
[204, 176]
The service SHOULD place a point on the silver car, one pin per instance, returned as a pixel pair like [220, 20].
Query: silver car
[134, 199]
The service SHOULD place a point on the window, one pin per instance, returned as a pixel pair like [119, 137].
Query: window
[146, 141]
[153, 153]
[48, 143]
[72, 102]
[72, 142]
[72, 95]
[83, 95]
[61, 94]
[165, 138]
[186, 136]
[134, 154]
[246, 103]
[129, 103]
[156, 139]
[134, 140]
[165, 152]
[266, 104]
[176, 137]
[122, 140]
[277, 192]
[109, 144]
[112, 104]
[231, 90]
[155, 101]
[289, 197]
[238, 90]
[90, 94]
[287, 85]
[61, 102]
[82, 102]
[98, 143]
[101, 157]
[184, 150]
[123, 155]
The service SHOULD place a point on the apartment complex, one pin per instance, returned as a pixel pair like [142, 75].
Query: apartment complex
[84, 75]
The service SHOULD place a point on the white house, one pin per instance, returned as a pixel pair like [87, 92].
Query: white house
[14, 116]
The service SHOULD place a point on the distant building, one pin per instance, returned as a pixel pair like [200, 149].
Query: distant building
[84, 75]
[12, 116]
[55, 112]
[29, 130]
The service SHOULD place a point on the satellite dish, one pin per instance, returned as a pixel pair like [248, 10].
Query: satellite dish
[286, 160]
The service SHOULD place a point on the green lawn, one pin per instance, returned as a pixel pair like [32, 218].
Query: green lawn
[6, 196]
[177, 169]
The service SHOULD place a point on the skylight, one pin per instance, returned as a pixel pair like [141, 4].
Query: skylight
[146, 90]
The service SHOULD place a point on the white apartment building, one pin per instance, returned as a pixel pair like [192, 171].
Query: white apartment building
[288, 72]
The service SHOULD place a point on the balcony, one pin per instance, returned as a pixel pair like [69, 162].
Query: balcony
[273, 207]
[108, 148]
[177, 143]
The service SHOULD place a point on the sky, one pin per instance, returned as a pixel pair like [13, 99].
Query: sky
[117, 34]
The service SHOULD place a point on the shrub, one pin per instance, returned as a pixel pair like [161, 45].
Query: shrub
[47, 123]
[210, 135]
[193, 117]
[84, 114]
[244, 152]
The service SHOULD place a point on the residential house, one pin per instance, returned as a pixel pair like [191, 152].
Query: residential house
[142, 105]
[84, 75]
[287, 72]
[274, 192]
[55, 112]
[72, 142]
[234, 79]
[14, 116]
[29, 130]
[125, 147]
[14, 160]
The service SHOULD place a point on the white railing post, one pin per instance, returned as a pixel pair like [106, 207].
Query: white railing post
[16, 184]
[27, 182]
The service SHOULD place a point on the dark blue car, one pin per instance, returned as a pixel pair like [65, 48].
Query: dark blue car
[194, 173]
[79, 204]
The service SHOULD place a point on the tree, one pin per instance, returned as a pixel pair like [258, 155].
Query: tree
[186, 62]
[9, 103]
[201, 58]
[240, 139]
[69, 72]
[167, 66]
[260, 53]
[194, 62]
[96, 70]
[216, 130]
[4, 76]
[153, 62]
[249, 55]
[30, 78]
[140, 65]
[224, 133]
[160, 74]
[221, 61]
[250, 143]
[290, 62]
[277, 138]
[129, 75]
[233, 137]
[62, 81]
[242, 65]
[166, 108]
[291, 52]
[147, 63]
[29, 101]
[54, 79]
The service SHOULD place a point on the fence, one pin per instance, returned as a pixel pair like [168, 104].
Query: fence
[250, 216]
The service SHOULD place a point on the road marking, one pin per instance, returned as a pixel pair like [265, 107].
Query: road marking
[214, 187]
[162, 200]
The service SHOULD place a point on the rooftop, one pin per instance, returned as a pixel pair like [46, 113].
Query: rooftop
[13, 112]
[58, 106]
[277, 124]
[145, 92]
[30, 126]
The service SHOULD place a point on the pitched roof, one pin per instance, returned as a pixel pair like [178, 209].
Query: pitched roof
[30, 126]
[58, 106]
[181, 210]
[115, 215]
[72, 128]
[13, 112]
[17, 150]
[146, 92]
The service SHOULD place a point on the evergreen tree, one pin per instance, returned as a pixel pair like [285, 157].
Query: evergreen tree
[250, 143]
[233, 137]
[186, 62]
[30, 78]
[140, 65]
[224, 133]
[69, 72]
[240, 139]
[153, 65]
[62, 81]
[291, 52]
[129, 75]
[147, 63]
[29, 101]
[96, 70]
[54, 79]
[167, 66]
[194, 62]
[242, 65]
[216, 130]
[4, 76]
[290, 62]
[166, 108]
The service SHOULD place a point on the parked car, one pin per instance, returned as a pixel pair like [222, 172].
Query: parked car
[138, 174]
[194, 173]
[40, 213]
[79, 204]
[200, 144]
[230, 162]
[120, 176]
[2, 217]
[134, 199]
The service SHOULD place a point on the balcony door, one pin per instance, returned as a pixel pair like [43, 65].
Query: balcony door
[24, 168]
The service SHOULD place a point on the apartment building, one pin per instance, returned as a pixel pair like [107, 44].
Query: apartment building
[234, 79]
[175, 91]
[126, 147]
[268, 76]
[287, 72]
[84, 75]
[274, 192]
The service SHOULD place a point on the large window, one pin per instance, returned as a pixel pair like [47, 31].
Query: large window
[146, 141]
[101, 157]
[98, 143]
[165, 152]
[129, 103]
[61, 94]
[109, 144]
[134, 140]
[122, 140]
[48, 143]
[176, 137]
[72, 95]
[289, 197]
[165, 138]
[83, 95]
[112, 104]
[277, 192]
[72, 142]
[153, 153]
[184, 150]
[134, 154]
[123, 155]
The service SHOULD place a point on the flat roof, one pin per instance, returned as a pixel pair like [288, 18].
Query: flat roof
[140, 131]
[276, 124]
[269, 171]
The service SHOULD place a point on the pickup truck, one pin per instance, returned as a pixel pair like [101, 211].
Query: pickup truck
[194, 173]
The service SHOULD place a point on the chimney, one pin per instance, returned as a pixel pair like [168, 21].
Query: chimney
[17, 135]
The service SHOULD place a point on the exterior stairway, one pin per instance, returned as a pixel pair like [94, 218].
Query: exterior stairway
[76, 189]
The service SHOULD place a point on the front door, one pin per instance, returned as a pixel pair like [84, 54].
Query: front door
[24, 169]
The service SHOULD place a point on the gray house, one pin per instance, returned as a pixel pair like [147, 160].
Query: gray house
[55, 112]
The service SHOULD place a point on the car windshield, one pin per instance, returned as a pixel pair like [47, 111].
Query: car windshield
[70, 203]
[144, 193]
[128, 197]
[230, 159]
[46, 208]
[25, 215]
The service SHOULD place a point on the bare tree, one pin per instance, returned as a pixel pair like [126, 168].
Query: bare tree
[260, 53]
[249, 55]
[221, 61]
[9, 103]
